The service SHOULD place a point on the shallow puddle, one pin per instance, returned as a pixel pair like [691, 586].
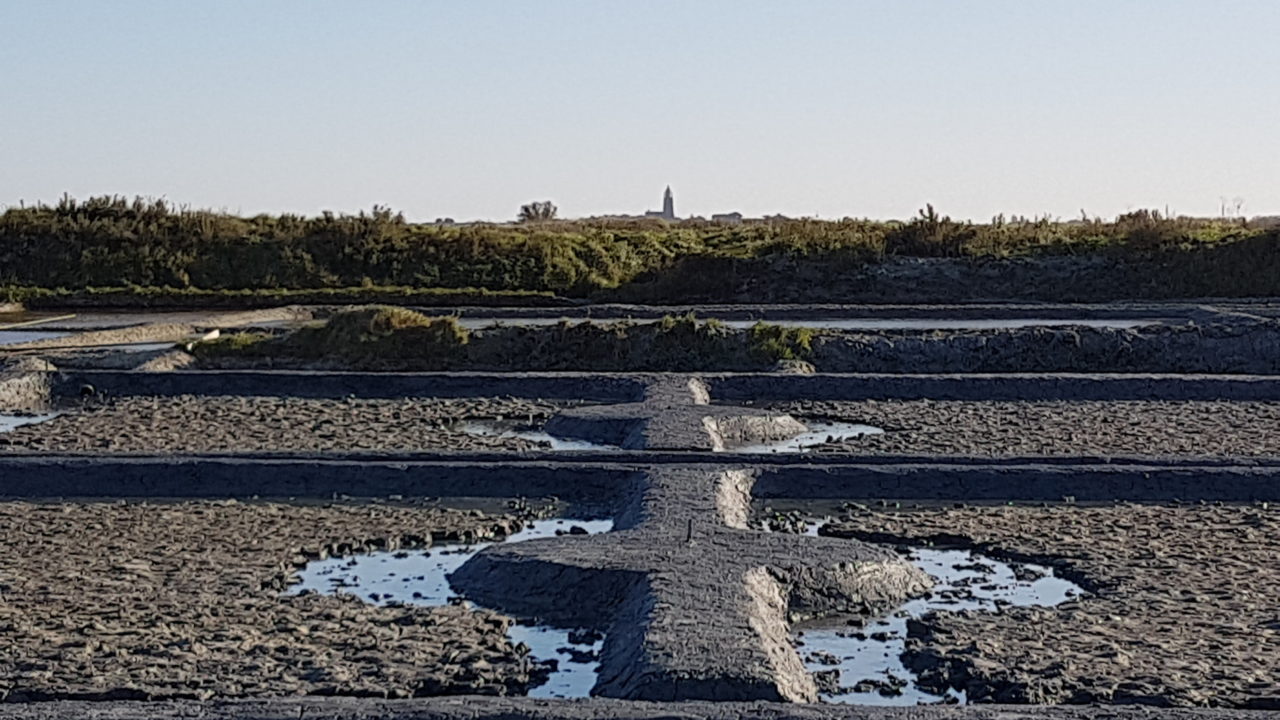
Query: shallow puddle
[819, 434]
[508, 429]
[13, 337]
[868, 660]
[11, 422]
[421, 577]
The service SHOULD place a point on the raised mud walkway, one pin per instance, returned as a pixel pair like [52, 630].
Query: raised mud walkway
[694, 603]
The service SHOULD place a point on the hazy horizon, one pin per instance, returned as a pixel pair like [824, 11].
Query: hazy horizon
[828, 109]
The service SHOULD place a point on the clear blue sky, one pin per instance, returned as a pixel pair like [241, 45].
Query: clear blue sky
[469, 108]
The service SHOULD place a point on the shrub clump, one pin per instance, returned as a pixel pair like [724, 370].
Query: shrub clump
[367, 337]
[930, 235]
[381, 333]
[369, 324]
[775, 343]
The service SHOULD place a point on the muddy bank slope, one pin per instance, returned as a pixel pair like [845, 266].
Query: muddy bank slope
[1243, 346]
[1095, 277]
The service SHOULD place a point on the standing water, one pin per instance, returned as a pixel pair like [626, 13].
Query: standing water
[13, 337]
[819, 434]
[867, 662]
[422, 578]
[509, 429]
[12, 422]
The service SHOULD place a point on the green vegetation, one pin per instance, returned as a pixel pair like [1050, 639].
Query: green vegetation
[389, 338]
[243, 344]
[365, 335]
[112, 250]
[111, 242]
[775, 343]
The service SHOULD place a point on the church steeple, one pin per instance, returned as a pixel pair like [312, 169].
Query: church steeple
[668, 205]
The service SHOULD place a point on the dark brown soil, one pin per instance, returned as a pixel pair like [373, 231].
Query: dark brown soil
[1182, 607]
[130, 600]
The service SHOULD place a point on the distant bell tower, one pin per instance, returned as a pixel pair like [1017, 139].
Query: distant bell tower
[668, 205]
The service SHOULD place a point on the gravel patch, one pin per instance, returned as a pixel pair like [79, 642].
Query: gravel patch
[194, 424]
[988, 428]
[144, 601]
[1181, 611]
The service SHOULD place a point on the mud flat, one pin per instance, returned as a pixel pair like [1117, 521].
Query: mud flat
[190, 424]
[143, 601]
[1235, 345]
[1060, 428]
[1181, 608]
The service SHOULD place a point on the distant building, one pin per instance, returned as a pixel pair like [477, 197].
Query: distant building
[733, 218]
[668, 211]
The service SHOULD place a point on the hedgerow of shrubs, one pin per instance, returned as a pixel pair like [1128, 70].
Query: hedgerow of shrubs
[112, 242]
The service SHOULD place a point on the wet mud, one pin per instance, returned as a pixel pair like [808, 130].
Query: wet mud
[1180, 609]
[124, 601]
[1061, 428]
[193, 424]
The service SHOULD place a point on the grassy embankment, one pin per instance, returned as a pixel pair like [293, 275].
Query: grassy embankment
[109, 251]
[391, 338]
